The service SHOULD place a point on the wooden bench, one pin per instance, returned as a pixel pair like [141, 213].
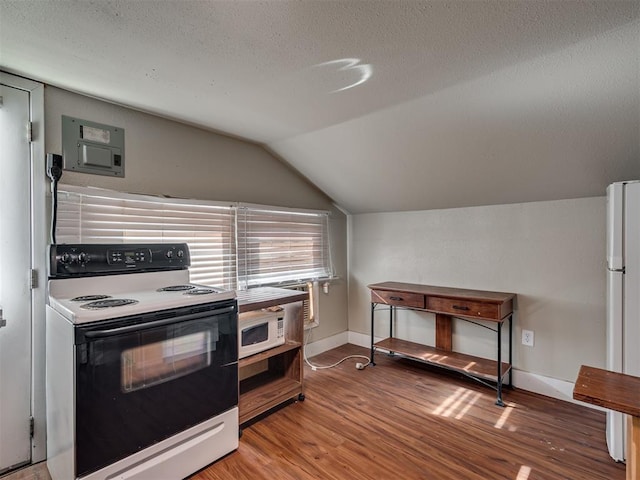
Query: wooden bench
[615, 391]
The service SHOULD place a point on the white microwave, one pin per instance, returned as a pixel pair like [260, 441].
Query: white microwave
[259, 330]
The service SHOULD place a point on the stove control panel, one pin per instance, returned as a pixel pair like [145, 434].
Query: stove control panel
[76, 260]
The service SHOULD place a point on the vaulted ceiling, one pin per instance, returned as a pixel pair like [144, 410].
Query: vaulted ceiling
[384, 105]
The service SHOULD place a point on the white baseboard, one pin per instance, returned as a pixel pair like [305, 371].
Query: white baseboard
[319, 346]
[550, 387]
[531, 382]
[362, 339]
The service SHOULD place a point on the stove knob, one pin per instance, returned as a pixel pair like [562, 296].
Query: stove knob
[180, 253]
[169, 253]
[65, 258]
[83, 258]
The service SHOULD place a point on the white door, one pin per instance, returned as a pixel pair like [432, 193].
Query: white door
[15, 278]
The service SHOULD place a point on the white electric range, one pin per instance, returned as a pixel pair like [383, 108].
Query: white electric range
[142, 375]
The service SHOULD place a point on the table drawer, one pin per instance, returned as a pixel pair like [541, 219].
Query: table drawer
[399, 299]
[464, 308]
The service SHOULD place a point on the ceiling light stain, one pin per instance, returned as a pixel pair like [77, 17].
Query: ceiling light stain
[350, 65]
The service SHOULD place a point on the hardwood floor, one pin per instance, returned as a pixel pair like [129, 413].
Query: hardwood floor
[34, 472]
[401, 420]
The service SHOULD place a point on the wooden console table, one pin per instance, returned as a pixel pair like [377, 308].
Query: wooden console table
[447, 303]
[615, 391]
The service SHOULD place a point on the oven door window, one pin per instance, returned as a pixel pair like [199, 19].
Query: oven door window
[144, 366]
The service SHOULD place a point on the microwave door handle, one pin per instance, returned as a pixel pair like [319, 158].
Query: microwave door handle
[157, 323]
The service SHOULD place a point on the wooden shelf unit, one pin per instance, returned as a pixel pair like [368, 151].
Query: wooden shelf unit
[282, 379]
[447, 303]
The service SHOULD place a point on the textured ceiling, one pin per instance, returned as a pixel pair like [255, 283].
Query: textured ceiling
[392, 105]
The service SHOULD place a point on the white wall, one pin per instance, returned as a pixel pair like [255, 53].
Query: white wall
[551, 254]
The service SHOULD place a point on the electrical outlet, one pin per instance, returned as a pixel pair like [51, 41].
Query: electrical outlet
[527, 338]
[54, 166]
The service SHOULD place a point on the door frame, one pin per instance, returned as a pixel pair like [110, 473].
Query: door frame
[39, 258]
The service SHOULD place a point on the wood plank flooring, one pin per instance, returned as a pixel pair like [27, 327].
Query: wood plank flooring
[401, 420]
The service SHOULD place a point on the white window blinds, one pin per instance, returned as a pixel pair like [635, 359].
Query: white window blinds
[232, 247]
[278, 246]
[87, 215]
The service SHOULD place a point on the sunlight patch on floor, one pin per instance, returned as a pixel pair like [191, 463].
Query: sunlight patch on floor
[461, 400]
[469, 404]
[523, 473]
[508, 408]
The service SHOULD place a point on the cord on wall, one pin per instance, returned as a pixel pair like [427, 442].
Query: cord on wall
[359, 365]
[54, 172]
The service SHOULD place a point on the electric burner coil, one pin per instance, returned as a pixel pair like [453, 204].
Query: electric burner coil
[108, 303]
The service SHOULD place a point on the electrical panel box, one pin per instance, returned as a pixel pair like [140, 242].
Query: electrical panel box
[91, 147]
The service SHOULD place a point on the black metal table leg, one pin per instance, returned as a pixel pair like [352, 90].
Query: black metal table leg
[511, 350]
[373, 307]
[392, 316]
[499, 401]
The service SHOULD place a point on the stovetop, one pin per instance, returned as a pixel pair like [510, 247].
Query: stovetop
[82, 300]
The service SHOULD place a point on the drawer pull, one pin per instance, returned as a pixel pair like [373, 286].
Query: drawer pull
[396, 299]
[460, 307]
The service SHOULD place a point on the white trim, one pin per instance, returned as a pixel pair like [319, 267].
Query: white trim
[40, 263]
[362, 339]
[530, 382]
[325, 344]
[547, 386]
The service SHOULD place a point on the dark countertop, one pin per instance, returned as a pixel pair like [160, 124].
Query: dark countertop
[263, 297]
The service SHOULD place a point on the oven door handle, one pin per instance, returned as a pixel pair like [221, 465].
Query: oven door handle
[157, 323]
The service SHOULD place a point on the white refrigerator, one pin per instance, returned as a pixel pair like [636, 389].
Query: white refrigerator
[623, 296]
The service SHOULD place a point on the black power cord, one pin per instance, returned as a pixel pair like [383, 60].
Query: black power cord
[54, 172]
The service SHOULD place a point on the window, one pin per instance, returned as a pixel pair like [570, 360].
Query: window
[90, 215]
[278, 246]
[232, 246]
